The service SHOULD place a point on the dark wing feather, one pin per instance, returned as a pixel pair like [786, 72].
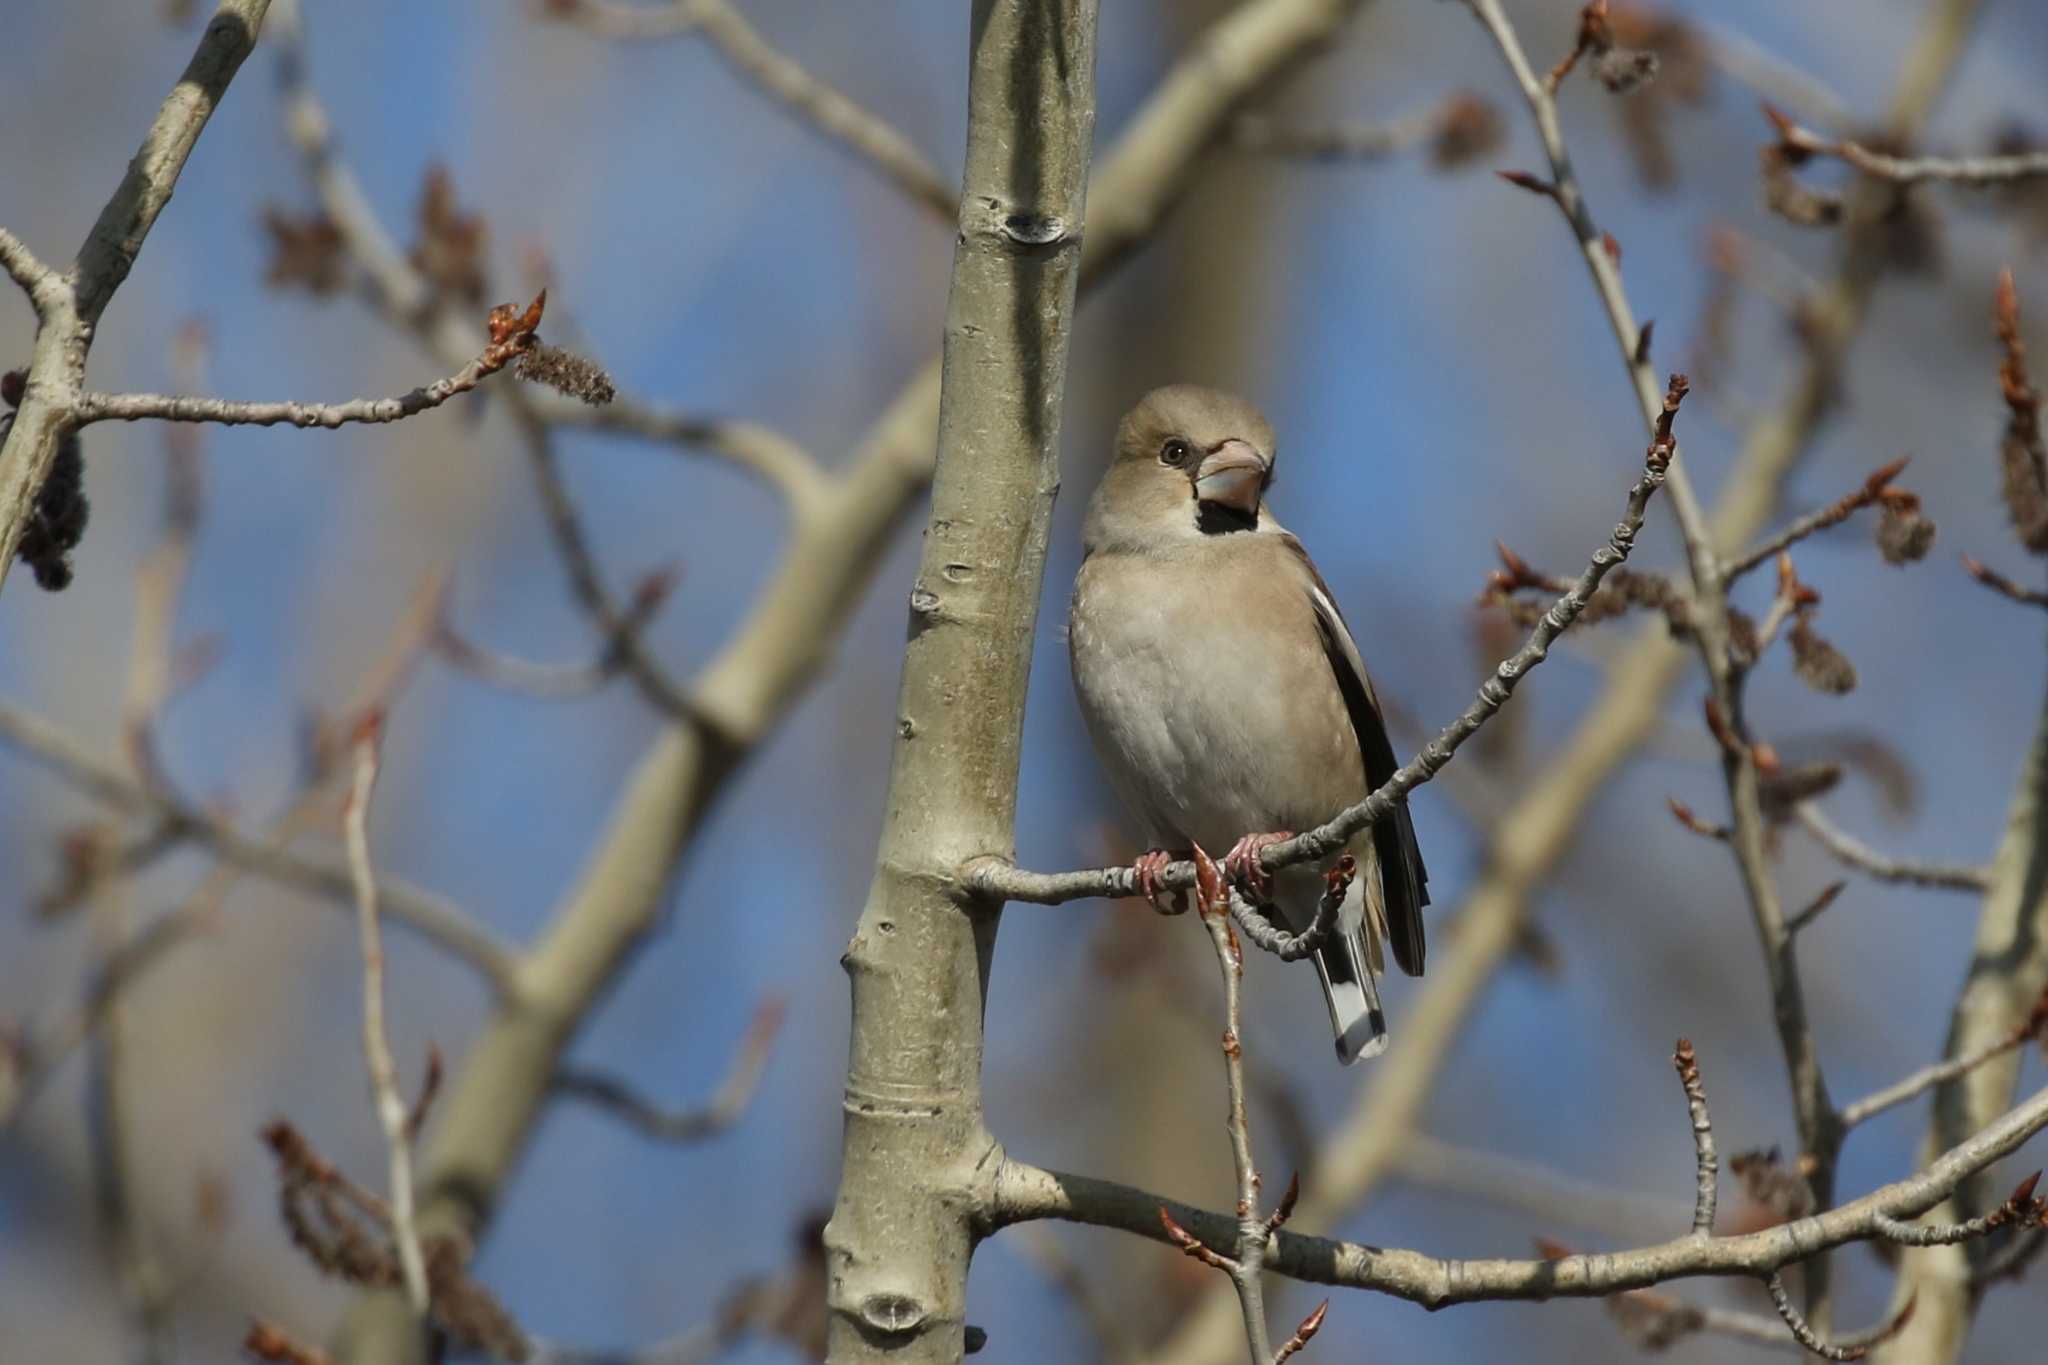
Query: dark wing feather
[1404, 881]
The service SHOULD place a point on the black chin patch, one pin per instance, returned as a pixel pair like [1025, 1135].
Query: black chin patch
[1215, 518]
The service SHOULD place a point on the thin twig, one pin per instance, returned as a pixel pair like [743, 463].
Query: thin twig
[832, 113]
[1927, 1077]
[726, 1107]
[1815, 907]
[1853, 852]
[392, 1111]
[135, 407]
[1294, 947]
[1246, 1267]
[1999, 583]
[1707, 1165]
[1975, 171]
[2020, 1208]
[555, 682]
[436, 919]
[1803, 1331]
[1875, 489]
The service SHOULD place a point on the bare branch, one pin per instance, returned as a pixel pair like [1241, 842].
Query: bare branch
[508, 344]
[1294, 947]
[730, 1102]
[556, 682]
[1708, 1166]
[440, 922]
[772, 457]
[25, 268]
[1853, 852]
[1803, 1331]
[775, 74]
[1974, 171]
[68, 307]
[1999, 583]
[1873, 491]
[393, 1114]
[2020, 1208]
[1815, 907]
[1024, 1192]
[1927, 1077]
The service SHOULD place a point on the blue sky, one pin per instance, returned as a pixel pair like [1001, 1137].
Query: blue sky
[1440, 377]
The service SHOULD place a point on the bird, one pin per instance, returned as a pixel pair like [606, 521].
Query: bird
[1225, 695]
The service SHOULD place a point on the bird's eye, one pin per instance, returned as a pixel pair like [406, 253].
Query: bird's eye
[1175, 452]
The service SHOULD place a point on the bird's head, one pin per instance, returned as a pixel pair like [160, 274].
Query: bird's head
[1189, 462]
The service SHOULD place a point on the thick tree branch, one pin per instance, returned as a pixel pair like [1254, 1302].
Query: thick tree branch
[903, 1228]
[1024, 1192]
[68, 307]
[2007, 976]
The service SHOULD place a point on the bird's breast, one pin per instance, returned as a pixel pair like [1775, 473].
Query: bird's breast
[1211, 721]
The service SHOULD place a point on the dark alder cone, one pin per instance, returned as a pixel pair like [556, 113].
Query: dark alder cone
[56, 523]
[1819, 664]
[1623, 70]
[1904, 537]
[566, 372]
[1467, 129]
[2025, 489]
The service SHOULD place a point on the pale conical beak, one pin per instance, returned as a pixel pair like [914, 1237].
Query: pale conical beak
[1232, 475]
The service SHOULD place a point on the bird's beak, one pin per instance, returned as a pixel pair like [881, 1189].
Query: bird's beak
[1232, 475]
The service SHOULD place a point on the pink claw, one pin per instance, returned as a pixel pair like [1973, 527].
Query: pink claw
[1150, 867]
[1242, 862]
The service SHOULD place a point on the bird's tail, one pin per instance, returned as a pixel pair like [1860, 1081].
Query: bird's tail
[1353, 995]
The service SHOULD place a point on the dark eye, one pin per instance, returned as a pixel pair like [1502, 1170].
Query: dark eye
[1175, 452]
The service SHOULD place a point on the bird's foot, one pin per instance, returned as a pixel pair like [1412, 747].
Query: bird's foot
[1241, 864]
[1152, 865]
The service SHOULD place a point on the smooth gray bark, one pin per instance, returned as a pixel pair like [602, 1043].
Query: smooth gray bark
[919, 1164]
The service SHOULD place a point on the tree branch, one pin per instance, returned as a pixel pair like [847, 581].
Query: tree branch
[1974, 171]
[68, 308]
[726, 1107]
[903, 1227]
[393, 1114]
[1024, 1192]
[1707, 1165]
[2007, 976]
[861, 131]
[1853, 852]
[516, 340]
[434, 918]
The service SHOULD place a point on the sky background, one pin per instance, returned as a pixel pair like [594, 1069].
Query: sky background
[1440, 377]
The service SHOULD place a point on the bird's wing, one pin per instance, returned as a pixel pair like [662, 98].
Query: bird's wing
[1404, 880]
